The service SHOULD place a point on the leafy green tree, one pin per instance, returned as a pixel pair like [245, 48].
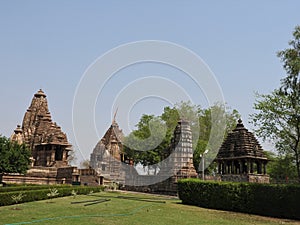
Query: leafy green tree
[144, 145]
[280, 167]
[14, 157]
[278, 118]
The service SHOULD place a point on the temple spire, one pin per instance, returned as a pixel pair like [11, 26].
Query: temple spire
[115, 115]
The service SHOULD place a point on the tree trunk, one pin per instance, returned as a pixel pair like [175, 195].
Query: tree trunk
[1, 175]
[297, 158]
[298, 166]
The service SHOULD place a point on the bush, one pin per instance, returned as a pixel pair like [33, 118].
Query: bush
[6, 198]
[262, 199]
[28, 187]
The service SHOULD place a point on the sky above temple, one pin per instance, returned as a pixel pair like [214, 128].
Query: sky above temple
[51, 44]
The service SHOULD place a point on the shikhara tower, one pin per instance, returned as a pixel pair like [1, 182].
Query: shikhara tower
[49, 145]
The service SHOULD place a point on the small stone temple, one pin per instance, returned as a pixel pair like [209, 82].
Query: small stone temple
[107, 156]
[48, 144]
[241, 157]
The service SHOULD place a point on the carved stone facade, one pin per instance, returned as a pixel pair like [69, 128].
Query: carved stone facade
[180, 156]
[107, 156]
[241, 157]
[17, 136]
[48, 144]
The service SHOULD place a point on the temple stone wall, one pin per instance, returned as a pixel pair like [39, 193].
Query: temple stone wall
[257, 178]
[22, 179]
[168, 186]
[42, 175]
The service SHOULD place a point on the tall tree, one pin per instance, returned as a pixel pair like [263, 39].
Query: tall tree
[278, 118]
[144, 145]
[14, 157]
[224, 120]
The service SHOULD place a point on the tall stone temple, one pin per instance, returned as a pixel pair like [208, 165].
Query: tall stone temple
[241, 157]
[107, 156]
[178, 164]
[48, 144]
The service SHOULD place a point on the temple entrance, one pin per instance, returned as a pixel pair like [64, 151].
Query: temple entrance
[58, 153]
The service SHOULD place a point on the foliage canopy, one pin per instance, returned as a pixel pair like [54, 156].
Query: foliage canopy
[14, 157]
[278, 118]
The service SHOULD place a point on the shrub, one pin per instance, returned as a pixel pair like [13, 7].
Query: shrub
[52, 193]
[74, 193]
[17, 198]
[29, 187]
[263, 199]
[35, 195]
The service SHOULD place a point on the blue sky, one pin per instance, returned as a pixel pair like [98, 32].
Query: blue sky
[50, 44]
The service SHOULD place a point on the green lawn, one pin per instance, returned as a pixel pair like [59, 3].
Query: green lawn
[123, 209]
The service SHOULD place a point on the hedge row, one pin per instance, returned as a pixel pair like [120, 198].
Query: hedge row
[35, 195]
[29, 187]
[263, 199]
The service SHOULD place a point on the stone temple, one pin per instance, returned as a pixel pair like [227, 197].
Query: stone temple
[107, 156]
[177, 164]
[48, 144]
[241, 157]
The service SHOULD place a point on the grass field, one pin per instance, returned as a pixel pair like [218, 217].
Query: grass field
[123, 208]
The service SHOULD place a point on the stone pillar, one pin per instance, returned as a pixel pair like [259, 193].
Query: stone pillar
[64, 155]
[265, 171]
[227, 168]
[248, 166]
[241, 166]
[232, 167]
[52, 153]
[251, 166]
[219, 167]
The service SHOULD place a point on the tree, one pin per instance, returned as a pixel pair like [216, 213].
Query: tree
[280, 167]
[278, 118]
[144, 144]
[14, 157]
[224, 120]
[85, 164]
